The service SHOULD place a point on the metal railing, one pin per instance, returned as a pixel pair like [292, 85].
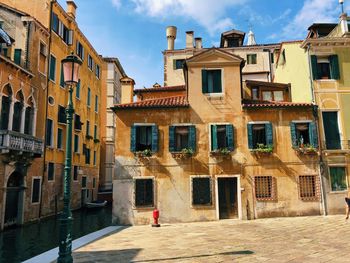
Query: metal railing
[336, 145]
[16, 141]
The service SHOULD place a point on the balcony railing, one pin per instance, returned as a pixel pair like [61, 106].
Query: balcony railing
[336, 145]
[16, 141]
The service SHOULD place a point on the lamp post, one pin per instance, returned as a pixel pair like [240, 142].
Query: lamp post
[70, 65]
[341, 2]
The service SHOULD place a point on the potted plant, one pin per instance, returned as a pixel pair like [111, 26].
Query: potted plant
[184, 153]
[144, 153]
[222, 151]
[307, 149]
[263, 149]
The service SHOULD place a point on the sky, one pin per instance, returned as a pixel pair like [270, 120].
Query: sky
[134, 30]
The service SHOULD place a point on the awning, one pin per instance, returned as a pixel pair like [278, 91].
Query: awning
[5, 38]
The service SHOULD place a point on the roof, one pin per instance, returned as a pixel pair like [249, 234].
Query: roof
[326, 26]
[215, 50]
[160, 89]
[117, 63]
[167, 102]
[266, 84]
[274, 104]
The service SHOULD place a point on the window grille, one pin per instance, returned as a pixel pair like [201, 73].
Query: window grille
[265, 188]
[308, 189]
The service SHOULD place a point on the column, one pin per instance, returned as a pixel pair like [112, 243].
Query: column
[34, 122]
[0, 103]
[23, 118]
[12, 105]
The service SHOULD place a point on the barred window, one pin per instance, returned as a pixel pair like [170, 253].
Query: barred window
[307, 187]
[201, 191]
[144, 193]
[264, 188]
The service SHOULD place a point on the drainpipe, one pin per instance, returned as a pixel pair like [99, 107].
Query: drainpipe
[270, 66]
[46, 105]
[317, 125]
[27, 62]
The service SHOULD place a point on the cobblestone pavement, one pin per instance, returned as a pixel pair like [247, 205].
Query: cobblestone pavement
[298, 239]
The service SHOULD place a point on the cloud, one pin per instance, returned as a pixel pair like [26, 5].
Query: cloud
[313, 11]
[117, 3]
[210, 14]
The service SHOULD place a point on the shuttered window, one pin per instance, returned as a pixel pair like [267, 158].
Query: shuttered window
[54, 25]
[222, 137]
[49, 132]
[88, 97]
[77, 122]
[338, 179]
[52, 68]
[259, 134]
[76, 143]
[59, 138]
[182, 137]
[36, 190]
[77, 90]
[62, 77]
[144, 137]
[325, 67]
[17, 56]
[211, 81]
[75, 172]
[50, 171]
[201, 191]
[144, 192]
[178, 63]
[61, 114]
[334, 67]
[304, 134]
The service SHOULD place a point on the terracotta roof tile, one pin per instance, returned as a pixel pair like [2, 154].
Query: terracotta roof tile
[167, 102]
[168, 88]
[273, 104]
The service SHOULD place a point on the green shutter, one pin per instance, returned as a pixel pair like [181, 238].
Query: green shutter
[214, 138]
[293, 135]
[77, 91]
[230, 137]
[269, 133]
[313, 134]
[314, 67]
[171, 138]
[192, 137]
[204, 81]
[217, 81]
[174, 64]
[133, 138]
[52, 67]
[250, 136]
[334, 63]
[17, 56]
[154, 138]
[62, 78]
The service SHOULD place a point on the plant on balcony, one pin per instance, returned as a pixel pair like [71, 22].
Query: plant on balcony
[184, 153]
[222, 151]
[262, 148]
[307, 149]
[144, 153]
[89, 137]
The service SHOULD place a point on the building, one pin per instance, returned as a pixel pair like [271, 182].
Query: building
[112, 72]
[260, 59]
[23, 60]
[198, 153]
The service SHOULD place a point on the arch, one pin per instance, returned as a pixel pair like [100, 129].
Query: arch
[329, 103]
[20, 96]
[31, 102]
[7, 90]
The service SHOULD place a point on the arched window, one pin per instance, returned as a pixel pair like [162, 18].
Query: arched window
[17, 112]
[5, 107]
[29, 117]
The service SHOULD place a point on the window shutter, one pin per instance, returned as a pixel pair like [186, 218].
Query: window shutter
[52, 68]
[313, 134]
[230, 136]
[314, 67]
[154, 138]
[133, 138]
[250, 136]
[62, 78]
[174, 64]
[214, 138]
[293, 135]
[171, 138]
[70, 37]
[269, 133]
[217, 81]
[204, 81]
[334, 63]
[17, 56]
[192, 137]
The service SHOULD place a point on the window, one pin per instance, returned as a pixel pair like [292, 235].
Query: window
[97, 72]
[255, 93]
[93, 182]
[178, 63]
[5, 112]
[77, 90]
[338, 179]
[144, 137]
[62, 114]
[75, 172]
[59, 138]
[211, 81]
[96, 103]
[221, 137]
[325, 67]
[42, 57]
[201, 191]
[62, 84]
[304, 134]
[50, 171]
[270, 95]
[76, 143]
[80, 50]
[272, 58]
[17, 115]
[90, 62]
[51, 100]
[77, 122]
[332, 136]
[86, 152]
[89, 97]
[278, 96]
[36, 190]
[182, 137]
[83, 181]
[87, 128]
[95, 132]
[54, 25]
[52, 68]
[144, 195]
[94, 162]
[62, 30]
[265, 188]
[267, 95]
[233, 42]
[307, 187]
[49, 133]
[260, 135]
[251, 59]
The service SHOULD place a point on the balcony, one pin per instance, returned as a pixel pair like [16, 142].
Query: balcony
[336, 146]
[15, 141]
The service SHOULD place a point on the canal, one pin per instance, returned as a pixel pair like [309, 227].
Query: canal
[21, 243]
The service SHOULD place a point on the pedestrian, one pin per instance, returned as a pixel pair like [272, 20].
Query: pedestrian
[347, 200]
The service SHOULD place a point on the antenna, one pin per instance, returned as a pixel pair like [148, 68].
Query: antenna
[341, 2]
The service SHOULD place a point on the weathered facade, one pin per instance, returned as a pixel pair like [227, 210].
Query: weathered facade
[211, 149]
[22, 103]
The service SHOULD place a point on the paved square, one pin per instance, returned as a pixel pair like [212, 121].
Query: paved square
[298, 239]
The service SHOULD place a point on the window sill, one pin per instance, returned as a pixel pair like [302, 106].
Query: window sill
[144, 208]
[326, 80]
[214, 95]
[338, 192]
[62, 123]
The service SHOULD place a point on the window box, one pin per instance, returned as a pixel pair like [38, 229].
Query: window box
[144, 138]
[143, 154]
[184, 154]
[221, 152]
[306, 149]
[260, 138]
[182, 141]
[262, 150]
[304, 137]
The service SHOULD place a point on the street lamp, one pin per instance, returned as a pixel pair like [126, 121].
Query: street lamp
[70, 65]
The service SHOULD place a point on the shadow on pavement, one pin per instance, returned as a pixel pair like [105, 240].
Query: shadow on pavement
[123, 255]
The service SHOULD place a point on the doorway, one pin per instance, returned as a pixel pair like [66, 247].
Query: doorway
[228, 201]
[14, 199]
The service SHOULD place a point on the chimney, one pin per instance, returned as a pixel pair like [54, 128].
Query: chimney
[171, 36]
[198, 41]
[156, 85]
[127, 90]
[71, 9]
[344, 23]
[189, 39]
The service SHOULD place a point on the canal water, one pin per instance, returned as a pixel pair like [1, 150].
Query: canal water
[19, 244]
